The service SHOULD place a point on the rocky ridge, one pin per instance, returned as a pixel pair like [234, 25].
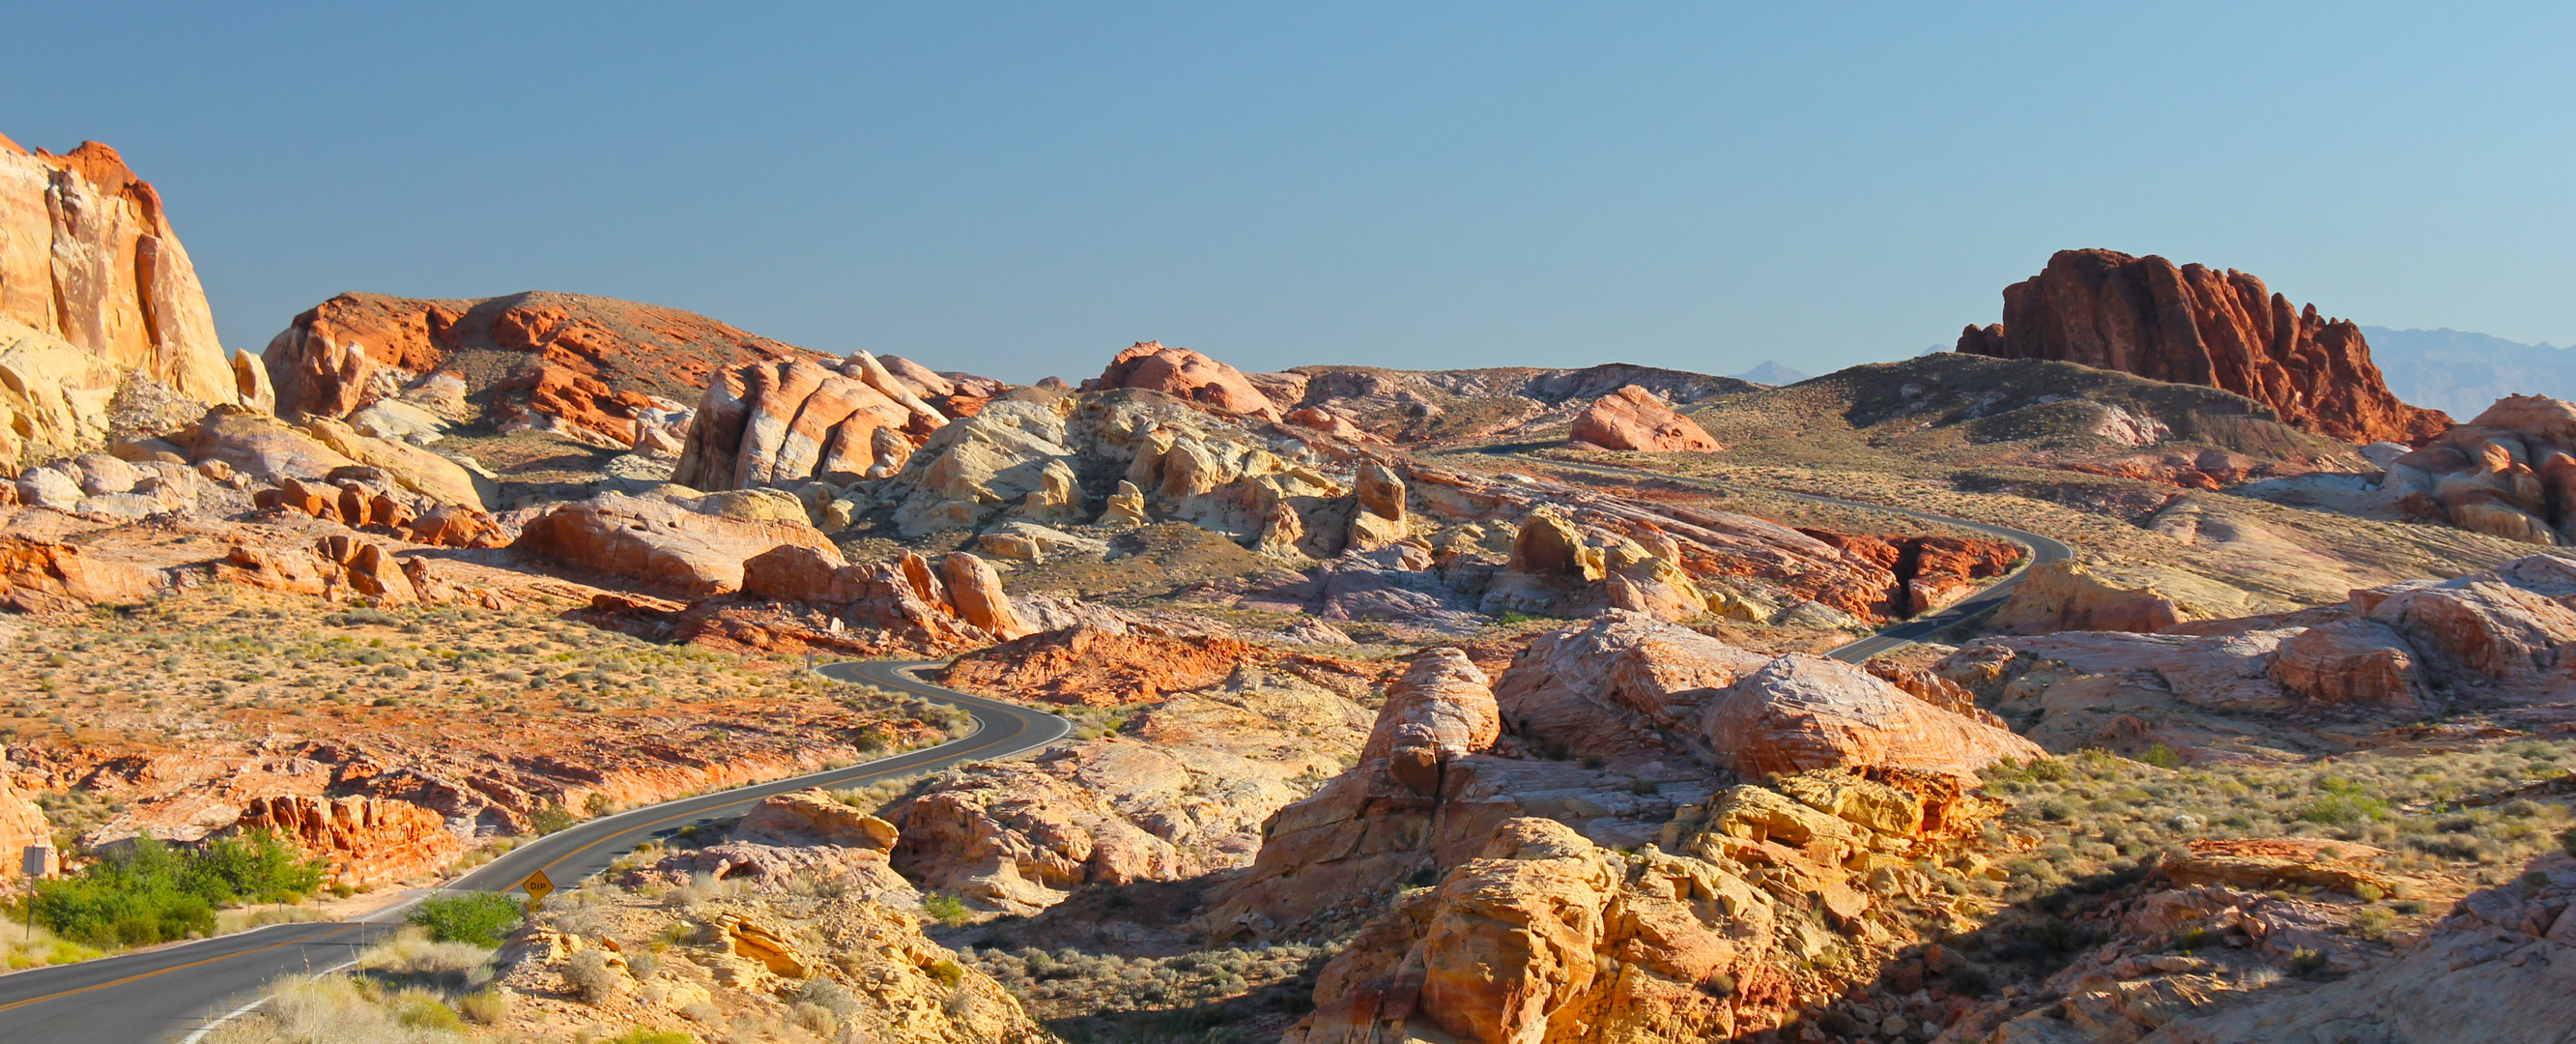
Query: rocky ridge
[2196, 325]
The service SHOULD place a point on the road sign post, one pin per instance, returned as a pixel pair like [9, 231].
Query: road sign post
[538, 886]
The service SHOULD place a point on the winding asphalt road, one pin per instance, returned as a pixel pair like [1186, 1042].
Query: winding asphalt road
[2042, 549]
[174, 993]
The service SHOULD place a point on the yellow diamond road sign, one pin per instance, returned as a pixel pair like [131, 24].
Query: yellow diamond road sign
[538, 886]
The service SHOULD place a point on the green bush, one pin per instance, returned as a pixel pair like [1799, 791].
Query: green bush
[946, 909]
[479, 918]
[550, 819]
[150, 892]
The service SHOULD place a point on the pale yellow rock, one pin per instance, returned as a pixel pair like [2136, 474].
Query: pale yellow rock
[411, 467]
[56, 396]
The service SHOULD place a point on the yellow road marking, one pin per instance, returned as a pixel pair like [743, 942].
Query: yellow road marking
[172, 968]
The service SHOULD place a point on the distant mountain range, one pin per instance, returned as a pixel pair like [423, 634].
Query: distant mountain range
[2463, 373]
[1771, 372]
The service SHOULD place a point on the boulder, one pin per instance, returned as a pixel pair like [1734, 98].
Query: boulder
[814, 817]
[1012, 837]
[975, 588]
[1378, 518]
[661, 543]
[1632, 418]
[1440, 710]
[2196, 325]
[2067, 596]
[2352, 662]
[1185, 374]
[40, 576]
[1802, 712]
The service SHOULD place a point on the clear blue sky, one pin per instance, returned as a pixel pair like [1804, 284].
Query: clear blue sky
[1024, 190]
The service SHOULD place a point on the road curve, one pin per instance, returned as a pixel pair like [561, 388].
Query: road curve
[171, 993]
[1898, 636]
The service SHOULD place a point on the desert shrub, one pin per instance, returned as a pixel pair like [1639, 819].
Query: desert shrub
[946, 909]
[480, 918]
[552, 818]
[487, 1007]
[2373, 922]
[2304, 961]
[422, 1009]
[590, 976]
[149, 892]
[831, 996]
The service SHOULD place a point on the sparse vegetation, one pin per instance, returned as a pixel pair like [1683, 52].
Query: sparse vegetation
[474, 918]
[149, 891]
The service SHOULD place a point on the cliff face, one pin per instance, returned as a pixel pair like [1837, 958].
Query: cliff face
[2196, 325]
[93, 285]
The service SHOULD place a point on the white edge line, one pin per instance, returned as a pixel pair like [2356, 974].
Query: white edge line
[200, 1035]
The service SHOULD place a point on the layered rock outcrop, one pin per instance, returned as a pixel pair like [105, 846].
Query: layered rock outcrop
[1184, 374]
[2509, 473]
[1612, 729]
[2196, 325]
[1548, 937]
[2501, 637]
[2497, 969]
[1182, 789]
[777, 423]
[960, 601]
[2067, 596]
[1632, 418]
[94, 289]
[365, 841]
[43, 576]
[87, 256]
[603, 372]
[662, 544]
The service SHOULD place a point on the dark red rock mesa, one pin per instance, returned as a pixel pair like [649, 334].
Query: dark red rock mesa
[2197, 325]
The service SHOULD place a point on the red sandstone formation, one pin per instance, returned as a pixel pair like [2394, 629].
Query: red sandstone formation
[1098, 667]
[1632, 418]
[662, 544]
[593, 369]
[2196, 325]
[364, 840]
[41, 576]
[1184, 373]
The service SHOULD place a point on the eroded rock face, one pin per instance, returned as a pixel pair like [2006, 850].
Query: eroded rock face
[2066, 596]
[2196, 325]
[602, 372]
[21, 822]
[2486, 973]
[42, 576]
[87, 256]
[774, 423]
[1186, 374]
[2510, 473]
[1408, 406]
[365, 841]
[1545, 936]
[1632, 418]
[1802, 712]
[662, 544]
